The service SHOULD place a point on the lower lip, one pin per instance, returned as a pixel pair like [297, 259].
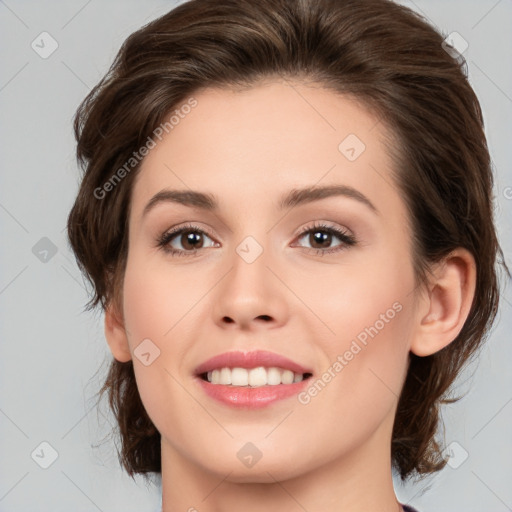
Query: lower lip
[252, 398]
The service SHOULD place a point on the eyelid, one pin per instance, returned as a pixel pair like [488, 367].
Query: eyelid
[323, 225]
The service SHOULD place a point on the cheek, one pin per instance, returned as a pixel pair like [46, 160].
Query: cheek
[359, 298]
[360, 385]
[157, 298]
[370, 384]
[158, 305]
[369, 309]
[375, 358]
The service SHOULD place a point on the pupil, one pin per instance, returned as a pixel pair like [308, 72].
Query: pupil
[320, 237]
[191, 238]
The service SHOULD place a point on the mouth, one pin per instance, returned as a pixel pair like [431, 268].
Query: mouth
[251, 379]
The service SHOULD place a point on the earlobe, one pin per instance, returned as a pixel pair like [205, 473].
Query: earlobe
[115, 332]
[445, 308]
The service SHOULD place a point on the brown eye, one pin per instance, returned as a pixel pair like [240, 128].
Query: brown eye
[321, 239]
[185, 240]
[318, 239]
[191, 240]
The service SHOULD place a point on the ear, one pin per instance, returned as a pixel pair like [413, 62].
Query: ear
[445, 306]
[115, 332]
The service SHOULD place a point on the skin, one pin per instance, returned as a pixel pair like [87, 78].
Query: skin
[248, 148]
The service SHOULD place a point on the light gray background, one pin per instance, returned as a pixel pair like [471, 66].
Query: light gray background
[51, 351]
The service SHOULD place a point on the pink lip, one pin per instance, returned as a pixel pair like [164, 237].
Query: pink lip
[251, 398]
[247, 360]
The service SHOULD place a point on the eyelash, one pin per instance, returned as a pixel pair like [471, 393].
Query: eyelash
[346, 239]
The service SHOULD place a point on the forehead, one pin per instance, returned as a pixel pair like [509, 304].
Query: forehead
[261, 141]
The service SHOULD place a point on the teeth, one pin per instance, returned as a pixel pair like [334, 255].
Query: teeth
[225, 376]
[287, 377]
[274, 376]
[255, 377]
[239, 376]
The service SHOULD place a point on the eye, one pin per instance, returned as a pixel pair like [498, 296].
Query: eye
[320, 237]
[190, 238]
[187, 240]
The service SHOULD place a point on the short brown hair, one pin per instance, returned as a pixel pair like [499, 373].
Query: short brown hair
[375, 51]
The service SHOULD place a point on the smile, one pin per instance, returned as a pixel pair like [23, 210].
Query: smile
[253, 377]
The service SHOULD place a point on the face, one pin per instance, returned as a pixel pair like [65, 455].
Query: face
[272, 271]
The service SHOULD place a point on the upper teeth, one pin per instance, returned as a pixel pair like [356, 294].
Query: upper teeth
[254, 377]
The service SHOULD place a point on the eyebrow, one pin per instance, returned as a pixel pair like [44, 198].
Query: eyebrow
[294, 197]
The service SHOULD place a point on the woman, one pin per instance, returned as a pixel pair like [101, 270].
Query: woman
[286, 216]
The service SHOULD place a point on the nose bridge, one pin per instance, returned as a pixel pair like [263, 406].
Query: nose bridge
[250, 291]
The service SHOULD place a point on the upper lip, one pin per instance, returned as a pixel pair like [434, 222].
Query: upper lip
[253, 359]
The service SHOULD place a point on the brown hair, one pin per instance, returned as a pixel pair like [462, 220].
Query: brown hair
[375, 51]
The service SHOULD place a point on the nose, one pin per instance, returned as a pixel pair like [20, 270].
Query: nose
[251, 296]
